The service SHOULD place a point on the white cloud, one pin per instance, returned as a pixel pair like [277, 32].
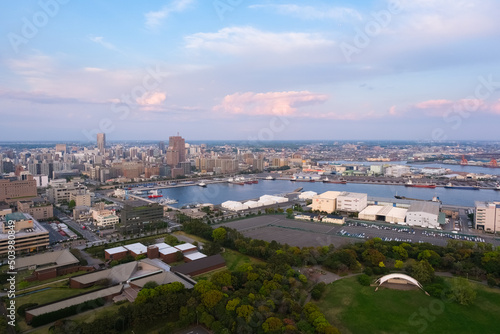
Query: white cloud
[155, 19]
[100, 40]
[248, 40]
[312, 13]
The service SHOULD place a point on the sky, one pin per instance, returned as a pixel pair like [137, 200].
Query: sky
[250, 70]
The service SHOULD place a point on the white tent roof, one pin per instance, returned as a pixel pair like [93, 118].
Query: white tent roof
[410, 279]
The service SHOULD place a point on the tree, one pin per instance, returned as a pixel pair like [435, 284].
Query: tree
[245, 312]
[373, 256]
[71, 204]
[422, 271]
[211, 298]
[150, 285]
[462, 291]
[399, 264]
[219, 234]
[272, 324]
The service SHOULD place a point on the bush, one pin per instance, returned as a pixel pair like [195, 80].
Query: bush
[21, 310]
[368, 271]
[318, 290]
[364, 280]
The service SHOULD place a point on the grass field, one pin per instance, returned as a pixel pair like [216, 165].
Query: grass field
[49, 295]
[235, 259]
[358, 309]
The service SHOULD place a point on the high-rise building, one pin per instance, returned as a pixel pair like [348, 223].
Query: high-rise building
[62, 147]
[161, 146]
[101, 142]
[177, 147]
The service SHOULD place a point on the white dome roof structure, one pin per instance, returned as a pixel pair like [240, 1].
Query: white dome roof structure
[399, 279]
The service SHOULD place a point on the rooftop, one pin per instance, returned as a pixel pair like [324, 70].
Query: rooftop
[137, 248]
[115, 250]
[185, 246]
[421, 206]
[56, 258]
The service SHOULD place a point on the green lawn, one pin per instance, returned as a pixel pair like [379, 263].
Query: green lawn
[49, 295]
[358, 309]
[235, 259]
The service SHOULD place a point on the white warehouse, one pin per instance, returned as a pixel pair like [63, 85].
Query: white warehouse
[424, 214]
[351, 202]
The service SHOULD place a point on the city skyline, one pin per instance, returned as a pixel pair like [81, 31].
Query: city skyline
[252, 70]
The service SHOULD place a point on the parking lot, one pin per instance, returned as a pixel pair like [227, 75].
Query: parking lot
[54, 236]
[306, 234]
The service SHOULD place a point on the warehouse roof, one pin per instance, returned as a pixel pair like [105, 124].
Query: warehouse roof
[422, 206]
[329, 195]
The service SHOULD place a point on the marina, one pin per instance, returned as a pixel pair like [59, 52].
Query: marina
[222, 191]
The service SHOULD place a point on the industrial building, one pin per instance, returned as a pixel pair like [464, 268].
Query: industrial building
[265, 200]
[326, 201]
[387, 213]
[351, 202]
[424, 214]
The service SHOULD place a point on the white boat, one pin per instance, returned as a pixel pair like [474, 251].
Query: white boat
[202, 184]
[270, 178]
[167, 200]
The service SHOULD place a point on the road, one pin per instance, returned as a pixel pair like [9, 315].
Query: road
[87, 234]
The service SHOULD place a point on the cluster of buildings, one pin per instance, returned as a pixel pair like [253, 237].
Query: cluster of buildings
[162, 251]
[414, 213]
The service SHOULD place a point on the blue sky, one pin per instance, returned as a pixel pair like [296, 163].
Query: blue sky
[250, 70]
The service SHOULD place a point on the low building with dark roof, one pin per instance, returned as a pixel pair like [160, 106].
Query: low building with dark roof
[201, 266]
[49, 265]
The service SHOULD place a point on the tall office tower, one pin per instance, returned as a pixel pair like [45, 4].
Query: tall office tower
[133, 152]
[178, 144]
[161, 146]
[101, 142]
[61, 148]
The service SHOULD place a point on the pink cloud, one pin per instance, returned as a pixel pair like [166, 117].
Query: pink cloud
[442, 107]
[151, 99]
[271, 103]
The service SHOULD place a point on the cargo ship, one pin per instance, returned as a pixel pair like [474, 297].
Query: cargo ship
[451, 186]
[419, 185]
[337, 181]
